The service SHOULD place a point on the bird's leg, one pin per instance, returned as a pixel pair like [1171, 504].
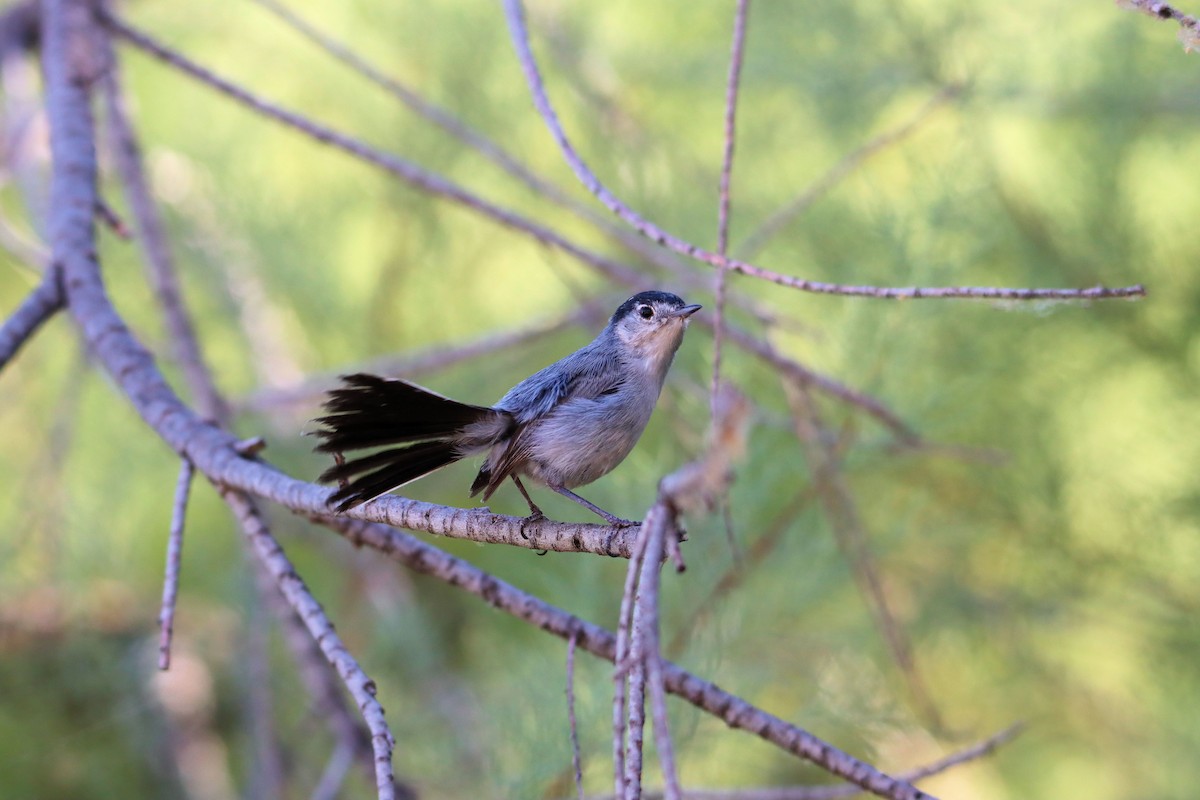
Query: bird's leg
[609, 518]
[534, 511]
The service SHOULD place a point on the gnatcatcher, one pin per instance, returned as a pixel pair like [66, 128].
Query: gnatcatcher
[564, 426]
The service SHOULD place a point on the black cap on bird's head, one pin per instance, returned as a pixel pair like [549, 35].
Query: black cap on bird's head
[649, 304]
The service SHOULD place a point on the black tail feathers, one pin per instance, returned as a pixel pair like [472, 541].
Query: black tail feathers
[369, 411]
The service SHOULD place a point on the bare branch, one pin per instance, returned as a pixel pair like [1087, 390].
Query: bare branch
[975, 752]
[450, 124]
[37, 307]
[807, 377]
[738, 573]
[417, 362]
[839, 171]
[1189, 26]
[731, 96]
[515, 15]
[622, 273]
[633, 670]
[112, 220]
[361, 687]
[658, 528]
[576, 759]
[847, 526]
[399, 167]
[156, 249]
[166, 617]
[70, 65]
[623, 694]
[732, 710]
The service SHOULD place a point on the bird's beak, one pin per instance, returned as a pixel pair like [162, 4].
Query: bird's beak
[687, 311]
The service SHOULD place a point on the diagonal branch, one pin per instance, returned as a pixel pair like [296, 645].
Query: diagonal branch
[732, 710]
[37, 307]
[472, 138]
[966, 755]
[71, 64]
[838, 172]
[1189, 26]
[401, 168]
[166, 617]
[440, 186]
[520, 36]
[159, 259]
[848, 530]
[292, 586]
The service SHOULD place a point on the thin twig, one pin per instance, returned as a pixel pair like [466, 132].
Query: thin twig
[401, 168]
[435, 184]
[732, 86]
[515, 16]
[488, 148]
[166, 617]
[298, 596]
[659, 529]
[622, 662]
[268, 766]
[634, 670]
[426, 559]
[455, 127]
[37, 307]
[576, 759]
[740, 571]
[848, 529]
[156, 249]
[112, 220]
[314, 672]
[417, 362]
[973, 753]
[807, 377]
[68, 56]
[329, 786]
[1189, 26]
[839, 171]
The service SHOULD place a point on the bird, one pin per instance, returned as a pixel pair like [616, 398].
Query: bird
[564, 426]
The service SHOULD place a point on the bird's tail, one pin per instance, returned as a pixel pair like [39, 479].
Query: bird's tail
[368, 411]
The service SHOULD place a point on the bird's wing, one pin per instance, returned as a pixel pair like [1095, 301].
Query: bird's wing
[585, 374]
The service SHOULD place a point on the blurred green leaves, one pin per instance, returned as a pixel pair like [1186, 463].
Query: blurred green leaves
[1044, 561]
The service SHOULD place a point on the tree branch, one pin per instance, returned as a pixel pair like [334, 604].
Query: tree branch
[1189, 26]
[292, 586]
[166, 617]
[732, 710]
[733, 83]
[437, 185]
[838, 172]
[520, 36]
[71, 63]
[156, 249]
[37, 307]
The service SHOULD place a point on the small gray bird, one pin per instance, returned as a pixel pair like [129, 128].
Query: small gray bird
[564, 426]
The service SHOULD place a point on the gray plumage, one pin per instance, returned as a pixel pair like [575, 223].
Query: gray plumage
[564, 426]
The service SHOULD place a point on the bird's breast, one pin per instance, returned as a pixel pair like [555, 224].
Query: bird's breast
[583, 439]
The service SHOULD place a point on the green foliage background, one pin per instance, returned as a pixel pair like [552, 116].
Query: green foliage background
[1054, 580]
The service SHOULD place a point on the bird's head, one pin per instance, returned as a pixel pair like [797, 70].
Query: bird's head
[649, 327]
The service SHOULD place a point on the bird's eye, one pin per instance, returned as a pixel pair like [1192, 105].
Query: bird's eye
[646, 312]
